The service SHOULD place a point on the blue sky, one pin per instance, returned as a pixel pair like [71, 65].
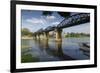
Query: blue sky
[34, 20]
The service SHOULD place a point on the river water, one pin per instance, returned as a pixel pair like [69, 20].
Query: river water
[41, 50]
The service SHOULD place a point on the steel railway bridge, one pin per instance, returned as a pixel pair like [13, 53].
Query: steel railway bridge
[70, 21]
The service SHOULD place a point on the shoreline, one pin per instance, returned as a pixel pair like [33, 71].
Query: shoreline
[26, 37]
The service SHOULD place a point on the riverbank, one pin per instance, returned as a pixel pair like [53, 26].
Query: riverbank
[25, 37]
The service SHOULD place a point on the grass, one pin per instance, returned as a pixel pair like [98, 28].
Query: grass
[28, 58]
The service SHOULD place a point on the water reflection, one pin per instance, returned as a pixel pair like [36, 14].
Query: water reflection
[56, 52]
[50, 50]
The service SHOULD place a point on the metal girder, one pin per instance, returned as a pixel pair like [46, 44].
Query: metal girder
[73, 20]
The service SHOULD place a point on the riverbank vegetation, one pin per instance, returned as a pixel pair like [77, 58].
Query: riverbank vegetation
[28, 58]
[26, 32]
[76, 35]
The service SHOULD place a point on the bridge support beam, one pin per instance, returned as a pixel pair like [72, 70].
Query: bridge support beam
[46, 35]
[42, 36]
[58, 34]
[38, 36]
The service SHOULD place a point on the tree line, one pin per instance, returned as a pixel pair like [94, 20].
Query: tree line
[72, 34]
[26, 32]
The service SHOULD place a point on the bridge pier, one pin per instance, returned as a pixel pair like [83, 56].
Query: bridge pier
[58, 34]
[46, 35]
[41, 36]
[38, 36]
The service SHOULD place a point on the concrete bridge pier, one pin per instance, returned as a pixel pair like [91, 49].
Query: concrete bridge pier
[46, 35]
[38, 36]
[58, 34]
[42, 36]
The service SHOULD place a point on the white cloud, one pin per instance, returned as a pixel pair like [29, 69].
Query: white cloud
[36, 21]
[55, 23]
[50, 17]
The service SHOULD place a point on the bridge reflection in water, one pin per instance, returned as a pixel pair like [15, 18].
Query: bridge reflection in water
[55, 50]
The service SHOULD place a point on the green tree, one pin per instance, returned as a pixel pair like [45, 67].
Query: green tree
[26, 32]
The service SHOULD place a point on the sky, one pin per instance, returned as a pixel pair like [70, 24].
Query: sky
[34, 20]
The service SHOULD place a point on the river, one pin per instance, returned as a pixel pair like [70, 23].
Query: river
[42, 51]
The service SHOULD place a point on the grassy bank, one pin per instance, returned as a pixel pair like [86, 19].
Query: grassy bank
[28, 58]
